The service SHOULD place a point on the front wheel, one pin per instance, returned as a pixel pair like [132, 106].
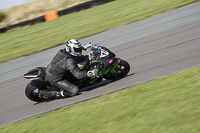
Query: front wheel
[32, 93]
[120, 71]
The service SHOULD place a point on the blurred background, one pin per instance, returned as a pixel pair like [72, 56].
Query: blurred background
[10, 3]
[21, 10]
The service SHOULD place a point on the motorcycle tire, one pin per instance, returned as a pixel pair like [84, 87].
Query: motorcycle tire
[122, 70]
[31, 93]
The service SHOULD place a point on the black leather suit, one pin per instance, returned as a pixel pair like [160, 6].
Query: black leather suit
[60, 67]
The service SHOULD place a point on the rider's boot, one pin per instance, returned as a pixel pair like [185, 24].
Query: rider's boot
[64, 94]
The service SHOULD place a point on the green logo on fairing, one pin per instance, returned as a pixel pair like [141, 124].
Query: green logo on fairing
[105, 72]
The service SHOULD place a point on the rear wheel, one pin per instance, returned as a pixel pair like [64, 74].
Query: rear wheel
[120, 71]
[32, 93]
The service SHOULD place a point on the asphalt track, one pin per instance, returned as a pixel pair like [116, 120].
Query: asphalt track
[157, 46]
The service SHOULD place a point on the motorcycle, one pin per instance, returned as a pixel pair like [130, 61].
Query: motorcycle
[100, 58]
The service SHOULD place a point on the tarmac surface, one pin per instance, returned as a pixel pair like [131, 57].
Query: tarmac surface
[154, 47]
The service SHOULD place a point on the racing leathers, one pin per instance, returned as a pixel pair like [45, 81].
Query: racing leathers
[60, 67]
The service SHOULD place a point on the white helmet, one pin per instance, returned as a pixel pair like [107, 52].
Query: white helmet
[73, 46]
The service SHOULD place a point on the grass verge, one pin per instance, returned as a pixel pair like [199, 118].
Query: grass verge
[165, 105]
[36, 38]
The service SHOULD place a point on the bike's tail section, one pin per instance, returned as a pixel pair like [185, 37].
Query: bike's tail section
[36, 74]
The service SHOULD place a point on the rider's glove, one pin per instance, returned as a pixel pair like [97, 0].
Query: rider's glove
[86, 46]
[94, 72]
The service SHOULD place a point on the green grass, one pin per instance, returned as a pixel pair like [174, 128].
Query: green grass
[42, 36]
[165, 105]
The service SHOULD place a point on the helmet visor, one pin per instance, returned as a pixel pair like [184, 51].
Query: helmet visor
[77, 50]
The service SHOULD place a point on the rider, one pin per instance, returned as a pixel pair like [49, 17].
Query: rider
[63, 64]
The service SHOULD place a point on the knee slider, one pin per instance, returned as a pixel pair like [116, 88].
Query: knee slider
[74, 90]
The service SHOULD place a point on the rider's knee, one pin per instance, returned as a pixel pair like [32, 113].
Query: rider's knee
[74, 90]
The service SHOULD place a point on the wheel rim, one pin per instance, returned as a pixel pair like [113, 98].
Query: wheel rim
[35, 93]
